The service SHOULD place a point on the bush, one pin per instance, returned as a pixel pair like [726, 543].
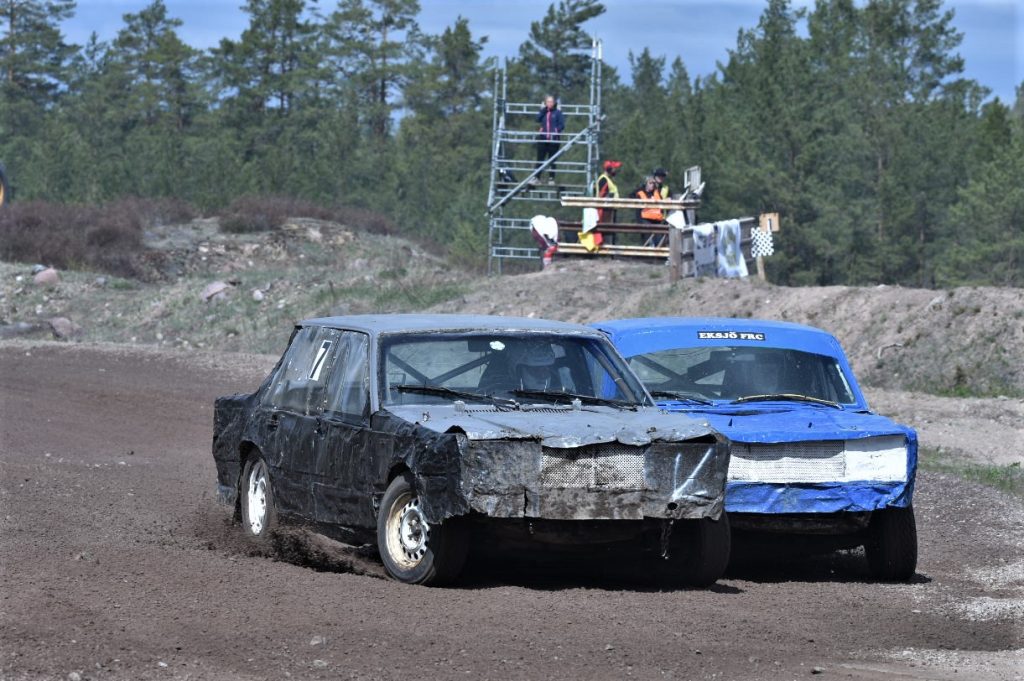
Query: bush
[107, 238]
[263, 213]
[156, 212]
[364, 219]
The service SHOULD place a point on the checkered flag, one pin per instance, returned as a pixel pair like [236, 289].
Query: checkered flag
[762, 243]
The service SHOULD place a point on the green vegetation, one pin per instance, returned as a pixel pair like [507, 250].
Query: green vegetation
[1009, 478]
[852, 120]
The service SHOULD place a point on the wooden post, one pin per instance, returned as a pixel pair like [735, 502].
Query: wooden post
[675, 254]
[767, 222]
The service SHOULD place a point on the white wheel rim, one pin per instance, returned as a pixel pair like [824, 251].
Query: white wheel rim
[407, 531]
[257, 498]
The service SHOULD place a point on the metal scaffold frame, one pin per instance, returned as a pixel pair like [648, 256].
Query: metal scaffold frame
[508, 228]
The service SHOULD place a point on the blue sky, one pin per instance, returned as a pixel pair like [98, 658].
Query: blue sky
[699, 31]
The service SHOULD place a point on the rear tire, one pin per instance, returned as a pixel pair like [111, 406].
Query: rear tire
[698, 554]
[891, 546]
[259, 515]
[412, 550]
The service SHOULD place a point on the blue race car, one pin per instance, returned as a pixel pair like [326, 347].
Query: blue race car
[809, 457]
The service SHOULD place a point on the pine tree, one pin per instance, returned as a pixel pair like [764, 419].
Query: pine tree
[263, 71]
[554, 58]
[443, 145]
[34, 72]
[160, 70]
[987, 223]
[375, 45]
[455, 80]
[638, 133]
[33, 55]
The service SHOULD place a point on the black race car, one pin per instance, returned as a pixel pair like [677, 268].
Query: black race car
[422, 432]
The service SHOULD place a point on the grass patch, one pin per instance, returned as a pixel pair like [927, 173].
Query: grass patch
[391, 297]
[967, 391]
[1009, 478]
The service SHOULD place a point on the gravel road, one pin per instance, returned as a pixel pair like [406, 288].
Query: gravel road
[116, 563]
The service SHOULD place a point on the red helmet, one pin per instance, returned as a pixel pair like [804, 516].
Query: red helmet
[608, 165]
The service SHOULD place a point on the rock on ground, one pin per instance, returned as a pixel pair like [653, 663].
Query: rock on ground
[48, 277]
[217, 290]
[63, 328]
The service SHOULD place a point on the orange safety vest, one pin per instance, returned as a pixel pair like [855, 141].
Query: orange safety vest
[651, 213]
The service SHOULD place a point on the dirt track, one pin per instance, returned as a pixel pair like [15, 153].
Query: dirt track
[115, 562]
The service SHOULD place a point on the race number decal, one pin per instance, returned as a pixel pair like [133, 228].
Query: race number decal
[319, 360]
[731, 335]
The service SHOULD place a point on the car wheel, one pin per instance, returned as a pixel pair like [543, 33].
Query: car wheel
[259, 516]
[708, 544]
[698, 553]
[413, 550]
[891, 546]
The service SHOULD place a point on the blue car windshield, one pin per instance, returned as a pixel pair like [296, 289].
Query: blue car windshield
[727, 373]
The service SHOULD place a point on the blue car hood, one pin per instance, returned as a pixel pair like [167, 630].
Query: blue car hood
[777, 422]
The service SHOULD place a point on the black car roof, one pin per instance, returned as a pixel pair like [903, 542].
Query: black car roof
[398, 323]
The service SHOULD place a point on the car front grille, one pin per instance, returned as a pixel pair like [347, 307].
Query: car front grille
[823, 461]
[604, 466]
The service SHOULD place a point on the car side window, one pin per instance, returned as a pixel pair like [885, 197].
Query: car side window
[300, 383]
[348, 389]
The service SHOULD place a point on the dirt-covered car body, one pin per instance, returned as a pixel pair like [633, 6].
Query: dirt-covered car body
[356, 401]
[805, 443]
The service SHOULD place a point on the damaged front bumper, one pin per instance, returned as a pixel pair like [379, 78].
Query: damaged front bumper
[607, 481]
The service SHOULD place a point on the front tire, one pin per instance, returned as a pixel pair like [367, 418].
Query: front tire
[259, 515]
[698, 554]
[412, 550]
[891, 546]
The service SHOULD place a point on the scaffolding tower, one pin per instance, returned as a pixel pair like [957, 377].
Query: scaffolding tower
[515, 188]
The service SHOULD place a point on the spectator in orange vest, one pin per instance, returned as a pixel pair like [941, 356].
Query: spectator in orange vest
[649, 191]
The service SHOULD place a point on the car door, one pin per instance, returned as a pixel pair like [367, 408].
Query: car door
[291, 413]
[341, 476]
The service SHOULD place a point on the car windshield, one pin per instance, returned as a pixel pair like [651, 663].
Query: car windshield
[505, 369]
[725, 373]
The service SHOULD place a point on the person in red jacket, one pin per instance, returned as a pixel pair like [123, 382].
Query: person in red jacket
[552, 123]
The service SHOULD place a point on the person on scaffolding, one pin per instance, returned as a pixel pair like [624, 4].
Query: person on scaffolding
[649, 191]
[552, 123]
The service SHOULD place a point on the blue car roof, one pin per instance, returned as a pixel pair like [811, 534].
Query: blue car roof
[651, 334]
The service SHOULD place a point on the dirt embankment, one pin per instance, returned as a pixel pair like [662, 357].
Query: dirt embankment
[976, 430]
[965, 340]
[236, 292]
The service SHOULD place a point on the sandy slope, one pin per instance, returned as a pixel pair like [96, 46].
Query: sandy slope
[897, 338]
